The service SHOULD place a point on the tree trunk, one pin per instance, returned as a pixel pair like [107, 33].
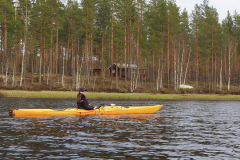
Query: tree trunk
[117, 50]
[185, 77]
[51, 54]
[25, 45]
[229, 65]
[72, 60]
[197, 69]
[56, 72]
[125, 42]
[63, 68]
[158, 75]
[21, 79]
[168, 51]
[220, 87]
[68, 54]
[181, 70]
[5, 45]
[112, 52]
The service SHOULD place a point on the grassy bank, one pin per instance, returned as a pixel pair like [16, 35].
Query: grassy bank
[104, 95]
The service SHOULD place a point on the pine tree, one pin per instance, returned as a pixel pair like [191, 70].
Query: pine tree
[185, 51]
[155, 22]
[196, 25]
[103, 17]
[7, 31]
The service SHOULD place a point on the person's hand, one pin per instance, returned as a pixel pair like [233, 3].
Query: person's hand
[95, 107]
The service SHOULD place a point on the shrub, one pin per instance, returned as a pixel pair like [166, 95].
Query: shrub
[166, 91]
[122, 90]
[183, 91]
[234, 92]
[1, 95]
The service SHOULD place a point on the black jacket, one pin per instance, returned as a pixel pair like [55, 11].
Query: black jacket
[83, 103]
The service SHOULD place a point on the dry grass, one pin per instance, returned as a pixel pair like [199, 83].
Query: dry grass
[104, 95]
[101, 88]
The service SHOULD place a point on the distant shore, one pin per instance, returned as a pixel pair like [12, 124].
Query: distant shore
[123, 96]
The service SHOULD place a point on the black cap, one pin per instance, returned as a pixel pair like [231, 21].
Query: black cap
[82, 89]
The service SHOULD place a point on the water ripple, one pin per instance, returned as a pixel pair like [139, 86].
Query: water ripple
[180, 130]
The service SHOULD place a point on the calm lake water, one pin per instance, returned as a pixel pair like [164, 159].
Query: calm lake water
[179, 130]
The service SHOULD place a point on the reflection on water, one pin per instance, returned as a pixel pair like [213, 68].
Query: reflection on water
[179, 130]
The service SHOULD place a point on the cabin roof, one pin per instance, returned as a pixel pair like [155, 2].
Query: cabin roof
[134, 66]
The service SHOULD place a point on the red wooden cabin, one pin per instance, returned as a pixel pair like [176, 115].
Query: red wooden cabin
[119, 69]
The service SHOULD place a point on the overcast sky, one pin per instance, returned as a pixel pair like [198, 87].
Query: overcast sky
[222, 6]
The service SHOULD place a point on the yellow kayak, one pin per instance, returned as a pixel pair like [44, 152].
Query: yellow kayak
[104, 110]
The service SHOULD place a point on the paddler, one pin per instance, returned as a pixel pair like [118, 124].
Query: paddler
[82, 102]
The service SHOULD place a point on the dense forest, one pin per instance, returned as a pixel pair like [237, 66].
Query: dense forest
[55, 43]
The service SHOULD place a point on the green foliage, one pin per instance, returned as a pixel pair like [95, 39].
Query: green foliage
[73, 38]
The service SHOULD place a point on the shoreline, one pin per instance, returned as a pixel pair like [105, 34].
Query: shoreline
[116, 96]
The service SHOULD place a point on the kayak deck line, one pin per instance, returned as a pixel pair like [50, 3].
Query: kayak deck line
[103, 110]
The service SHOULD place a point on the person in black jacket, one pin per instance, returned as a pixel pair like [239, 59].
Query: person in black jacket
[82, 102]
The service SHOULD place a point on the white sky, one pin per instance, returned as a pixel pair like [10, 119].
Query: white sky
[222, 6]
